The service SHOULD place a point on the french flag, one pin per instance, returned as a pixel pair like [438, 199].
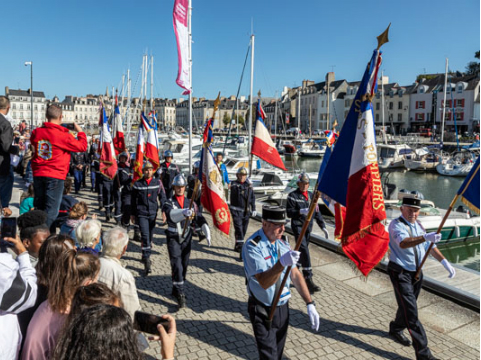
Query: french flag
[119, 140]
[213, 196]
[139, 155]
[262, 145]
[108, 164]
[151, 149]
[354, 180]
[331, 136]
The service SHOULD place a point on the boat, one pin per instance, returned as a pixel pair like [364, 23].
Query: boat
[392, 156]
[460, 164]
[289, 148]
[312, 149]
[423, 159]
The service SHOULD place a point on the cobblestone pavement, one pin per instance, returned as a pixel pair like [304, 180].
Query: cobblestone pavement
[354, 314]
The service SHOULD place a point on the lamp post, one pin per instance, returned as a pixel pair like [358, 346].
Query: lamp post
[31, 93]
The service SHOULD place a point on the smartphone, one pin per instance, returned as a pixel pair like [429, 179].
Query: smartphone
[148, 323]
[69, 126]
[9, 227]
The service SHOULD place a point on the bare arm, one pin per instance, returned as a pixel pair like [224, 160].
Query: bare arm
[300, 285]
[411, 242]
[269, 277]
[437, 254]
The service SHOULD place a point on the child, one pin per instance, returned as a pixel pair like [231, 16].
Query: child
[26, 200]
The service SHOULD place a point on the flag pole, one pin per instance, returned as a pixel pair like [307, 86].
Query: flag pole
[312, 208]
[189, 25]
[249, 138]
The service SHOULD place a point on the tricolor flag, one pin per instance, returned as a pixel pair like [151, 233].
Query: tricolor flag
[262, 144]
[331, 136]
[108, 163]
[354, 180]
[469, 191]
[139, 155]
[213, 196]
[154, 125]
[151, 148]
[119, 140]
[181, 9]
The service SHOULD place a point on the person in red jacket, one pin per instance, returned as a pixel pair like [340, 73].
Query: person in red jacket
[53, 145]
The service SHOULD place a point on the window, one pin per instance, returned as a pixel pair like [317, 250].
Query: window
[322, 103]
[420, 104]
[459, 102]
[21, 106]
[377, 117]
[377, 106]
[420, 116]
[399, 117]
[460, 88]
[460, 116]
[14, 106]
[400, 105]
[391, 105]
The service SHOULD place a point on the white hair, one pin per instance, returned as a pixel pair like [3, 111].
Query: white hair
[115, 241]
[87, 232]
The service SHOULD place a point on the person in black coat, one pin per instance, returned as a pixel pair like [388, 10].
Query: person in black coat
[78, 163]
[297, 207]
[6, 148]
[167, 172]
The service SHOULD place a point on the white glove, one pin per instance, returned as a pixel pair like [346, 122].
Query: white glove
[326, 234]
[206, 231]
[449, 267]
[432, 237]
[304, 211]
[187, 213]
[254, 213]
[290, 258]
[313, 316]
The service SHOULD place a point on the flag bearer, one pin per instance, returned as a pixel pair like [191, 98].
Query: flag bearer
[125, 183]
[178, 211]
[266, 256]
[168, 171]
[242, 205]
[297, 208]
[408, 242]
[145, 193]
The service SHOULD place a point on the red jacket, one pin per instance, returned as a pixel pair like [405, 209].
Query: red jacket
[52, 147]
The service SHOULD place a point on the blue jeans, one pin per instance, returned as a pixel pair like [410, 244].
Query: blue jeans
[92, 178]
[48, 196]
[78, 179]
[6, 188]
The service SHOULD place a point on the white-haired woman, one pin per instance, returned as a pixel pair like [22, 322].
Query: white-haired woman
[113, 274]
[88, 236]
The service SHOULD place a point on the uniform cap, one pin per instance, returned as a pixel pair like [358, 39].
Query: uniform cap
[168, 153]
[124, 154]
[303, 177]
[242, 171]
[179, 180]
[274, 214]
[412, 201]
[148, 165]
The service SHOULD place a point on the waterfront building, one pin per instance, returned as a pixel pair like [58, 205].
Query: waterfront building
[166, 113]
[20, 104]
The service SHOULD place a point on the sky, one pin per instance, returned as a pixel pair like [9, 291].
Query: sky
[83, 47]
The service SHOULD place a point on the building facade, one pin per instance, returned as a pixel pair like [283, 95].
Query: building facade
[20, 106]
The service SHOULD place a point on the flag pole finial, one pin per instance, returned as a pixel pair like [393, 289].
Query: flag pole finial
[383, 38]
[259, 94]
[216, 104]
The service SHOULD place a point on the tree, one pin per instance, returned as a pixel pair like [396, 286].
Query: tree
[473, 67]
[226, 119]
[241, 120]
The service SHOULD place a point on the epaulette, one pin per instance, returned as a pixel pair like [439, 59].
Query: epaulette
[256, 240]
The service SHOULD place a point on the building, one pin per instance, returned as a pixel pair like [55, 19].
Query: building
[20, 106]
[166, 113]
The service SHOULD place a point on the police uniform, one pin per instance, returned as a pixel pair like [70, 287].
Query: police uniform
[179, 246]
[260, 255]
[167, 173]
[402, 269]
[242, 204]
[144, 207]
[295, 202]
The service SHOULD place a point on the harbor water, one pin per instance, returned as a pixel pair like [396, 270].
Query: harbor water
[439, 189]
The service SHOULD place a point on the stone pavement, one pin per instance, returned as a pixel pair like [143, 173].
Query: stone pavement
[355, 314]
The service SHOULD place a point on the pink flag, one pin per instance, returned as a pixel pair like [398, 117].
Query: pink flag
[181, 8]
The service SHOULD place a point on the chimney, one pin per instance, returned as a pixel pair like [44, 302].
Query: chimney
[330, 77]
[7, 90]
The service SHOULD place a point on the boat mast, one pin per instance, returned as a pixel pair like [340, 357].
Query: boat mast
[189, 29]
[328, 100]
[444, 101]
[249, 144]
[275, 118]
[151, 82]
[382, 104]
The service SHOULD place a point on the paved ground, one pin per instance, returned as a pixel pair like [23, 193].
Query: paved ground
[354, 313]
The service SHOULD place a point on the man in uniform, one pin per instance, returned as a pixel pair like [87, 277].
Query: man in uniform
[97, 182]
[79, 161]
[107, 192]
[124, 183]
[266, 257]
[242, 205]
[179, 243]
[408, 242]
[297, 207]
[167, 172]
[145, 193]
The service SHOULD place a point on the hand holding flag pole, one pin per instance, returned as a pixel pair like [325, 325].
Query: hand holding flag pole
[469, 191]
[312, 208]
[197, 182]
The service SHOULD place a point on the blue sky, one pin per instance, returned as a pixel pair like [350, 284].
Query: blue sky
[81, 47]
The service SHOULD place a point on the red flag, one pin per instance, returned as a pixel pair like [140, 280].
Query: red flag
[139, 157]
[119, 140]
[151, 150]
[108, 163]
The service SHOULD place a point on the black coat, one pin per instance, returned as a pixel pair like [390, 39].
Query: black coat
[6, 140]
[240, 194]
[295, 202]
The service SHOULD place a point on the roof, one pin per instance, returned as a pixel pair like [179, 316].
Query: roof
[19, 92]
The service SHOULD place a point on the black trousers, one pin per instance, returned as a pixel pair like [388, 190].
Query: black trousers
[108, 195]
[146, 225]
[117, 204]
[126, 209]
[305, 259]
[407, 290]
[241, 223]
[179, 254]
[270, 343]
[99, 188]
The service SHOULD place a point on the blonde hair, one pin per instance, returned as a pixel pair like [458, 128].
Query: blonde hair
[78, 210]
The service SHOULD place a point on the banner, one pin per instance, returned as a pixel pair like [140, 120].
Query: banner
[108, 163]
[181, 8]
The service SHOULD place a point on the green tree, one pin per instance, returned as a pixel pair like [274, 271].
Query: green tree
[226, 119]
[241, 120]
[473, 66]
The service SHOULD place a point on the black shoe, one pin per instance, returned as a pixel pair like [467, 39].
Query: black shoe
[180, 300]
[107, 217]
[137, 236]
[238, 248]
[311, 286]
[147, 266]
[400, 338]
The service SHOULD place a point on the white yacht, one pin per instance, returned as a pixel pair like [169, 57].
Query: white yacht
[393, 156]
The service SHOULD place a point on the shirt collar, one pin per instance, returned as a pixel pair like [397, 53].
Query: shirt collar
[51, 125]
